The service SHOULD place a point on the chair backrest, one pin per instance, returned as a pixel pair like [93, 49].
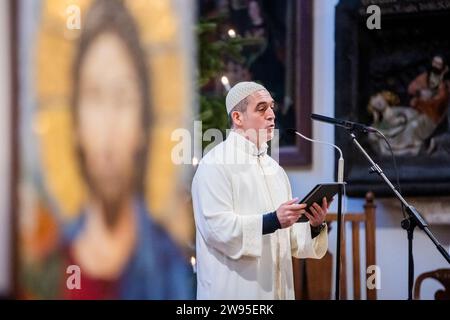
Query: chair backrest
[441, 275]
[313, 278]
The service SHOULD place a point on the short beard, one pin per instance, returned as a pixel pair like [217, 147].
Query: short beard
[110, 210]
[436, 71]
[112, 205]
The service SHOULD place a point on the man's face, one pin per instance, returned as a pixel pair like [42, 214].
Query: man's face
[259, 116]
[109, 126]
[437, 65]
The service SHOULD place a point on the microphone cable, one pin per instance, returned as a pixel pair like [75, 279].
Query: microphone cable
[395, 167]
[340, 170]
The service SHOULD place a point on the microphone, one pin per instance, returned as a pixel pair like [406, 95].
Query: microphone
[353, 126]
[341, 158]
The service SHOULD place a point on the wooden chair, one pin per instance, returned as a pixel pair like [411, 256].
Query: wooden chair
[313, 278]
[441, 275]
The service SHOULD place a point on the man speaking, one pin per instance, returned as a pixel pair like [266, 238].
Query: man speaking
[246, 230]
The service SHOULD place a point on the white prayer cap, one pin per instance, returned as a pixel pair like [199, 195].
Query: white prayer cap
[239, 92]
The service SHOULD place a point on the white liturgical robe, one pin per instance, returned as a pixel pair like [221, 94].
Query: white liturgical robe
[235, 184]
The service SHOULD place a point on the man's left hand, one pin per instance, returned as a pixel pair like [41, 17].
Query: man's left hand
[316, 214]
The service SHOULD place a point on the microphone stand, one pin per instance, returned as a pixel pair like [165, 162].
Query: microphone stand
[338, 244]
[340, 180]
[413, 220]
[339, 211]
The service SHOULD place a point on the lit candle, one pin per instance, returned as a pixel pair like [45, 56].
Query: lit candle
[232, 33]
[226, 83]
[194, 264]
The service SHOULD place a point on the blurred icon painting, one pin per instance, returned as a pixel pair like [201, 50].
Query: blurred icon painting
[96, 187]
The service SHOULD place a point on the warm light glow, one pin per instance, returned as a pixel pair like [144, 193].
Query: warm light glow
[225, 83]
[194, 163]
[194, 265]
[232, 33]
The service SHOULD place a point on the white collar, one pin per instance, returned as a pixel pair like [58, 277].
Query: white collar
[246, 145]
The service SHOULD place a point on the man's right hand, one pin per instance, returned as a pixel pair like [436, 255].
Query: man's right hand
[289, 212]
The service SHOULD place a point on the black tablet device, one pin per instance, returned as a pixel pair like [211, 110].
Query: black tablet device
[328, 190]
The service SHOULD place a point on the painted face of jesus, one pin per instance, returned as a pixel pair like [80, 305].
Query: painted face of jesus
[109, 119]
